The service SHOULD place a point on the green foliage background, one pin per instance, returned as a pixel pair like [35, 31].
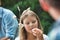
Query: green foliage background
[45, 18]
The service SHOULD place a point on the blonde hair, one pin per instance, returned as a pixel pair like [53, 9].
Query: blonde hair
[28, 12]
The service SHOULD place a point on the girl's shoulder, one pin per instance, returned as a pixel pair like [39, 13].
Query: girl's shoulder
[45, 37]
[17, 38]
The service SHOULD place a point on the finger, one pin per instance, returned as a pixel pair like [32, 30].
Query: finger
[39, 31]
[33, 30]
[34, 34]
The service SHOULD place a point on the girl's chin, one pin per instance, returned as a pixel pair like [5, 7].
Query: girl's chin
[30, 32]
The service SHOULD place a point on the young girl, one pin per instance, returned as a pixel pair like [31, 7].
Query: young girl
[31, 28]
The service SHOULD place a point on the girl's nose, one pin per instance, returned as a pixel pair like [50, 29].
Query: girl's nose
[31, 24]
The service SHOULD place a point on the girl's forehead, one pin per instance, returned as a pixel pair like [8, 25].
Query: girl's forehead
[30, 18]
[26, 16]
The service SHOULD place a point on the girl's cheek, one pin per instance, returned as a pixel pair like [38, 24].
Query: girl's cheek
[26, 27]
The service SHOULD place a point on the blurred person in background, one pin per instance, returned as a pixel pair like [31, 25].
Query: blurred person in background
[8, 24]
[53, 8]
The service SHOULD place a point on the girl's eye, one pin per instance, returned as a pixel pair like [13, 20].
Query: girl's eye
[33, 21]
[27, 23]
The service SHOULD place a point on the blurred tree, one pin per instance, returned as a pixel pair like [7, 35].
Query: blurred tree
[0, 2]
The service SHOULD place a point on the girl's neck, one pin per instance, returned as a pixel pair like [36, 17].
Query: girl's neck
[30, 36]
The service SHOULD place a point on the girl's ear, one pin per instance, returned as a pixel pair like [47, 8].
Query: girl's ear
[44, 5]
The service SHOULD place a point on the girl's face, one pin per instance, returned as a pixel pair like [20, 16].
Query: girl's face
[30, 22]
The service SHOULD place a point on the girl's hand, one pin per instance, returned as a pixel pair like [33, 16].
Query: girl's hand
[38, 33]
